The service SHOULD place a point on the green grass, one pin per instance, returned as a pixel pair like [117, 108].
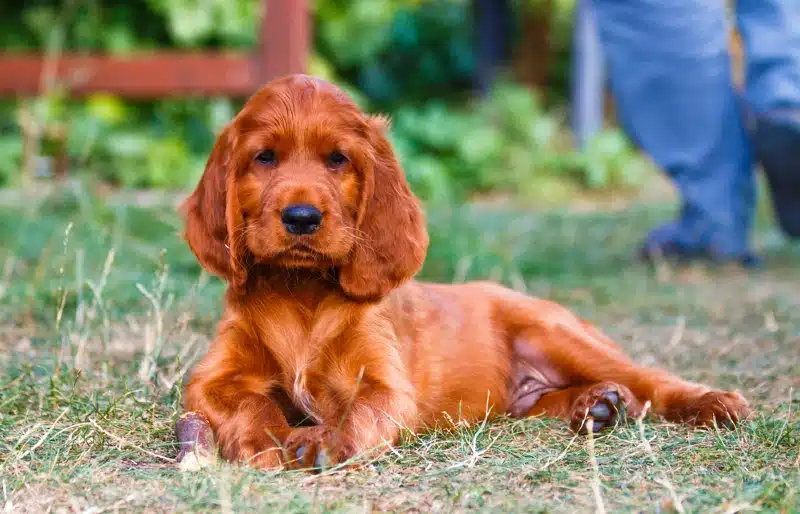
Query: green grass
[102, 308]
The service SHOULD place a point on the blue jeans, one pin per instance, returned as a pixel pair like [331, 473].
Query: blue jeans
[669, 69]
[493, 23]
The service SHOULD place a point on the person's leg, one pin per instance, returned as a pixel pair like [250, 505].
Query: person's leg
[771, 33]
[492, 23]
[588, 81]
[670, 71]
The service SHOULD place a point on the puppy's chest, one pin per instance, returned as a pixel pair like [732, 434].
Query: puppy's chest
[311, 352]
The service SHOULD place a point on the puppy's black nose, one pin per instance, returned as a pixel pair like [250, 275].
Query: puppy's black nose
[301, 219]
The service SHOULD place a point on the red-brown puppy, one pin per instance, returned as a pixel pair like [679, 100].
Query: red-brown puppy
[304, 210]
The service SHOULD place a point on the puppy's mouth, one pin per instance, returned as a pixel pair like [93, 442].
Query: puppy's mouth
[301, 249]
[302, 254]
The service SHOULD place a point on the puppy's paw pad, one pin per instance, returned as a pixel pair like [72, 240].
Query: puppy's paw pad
[321, 460]
[316, 448]
[605, 404]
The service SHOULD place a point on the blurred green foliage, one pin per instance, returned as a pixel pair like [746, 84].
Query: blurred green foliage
[398, 51]
[10, 158]
[506, 144]
[410, 58]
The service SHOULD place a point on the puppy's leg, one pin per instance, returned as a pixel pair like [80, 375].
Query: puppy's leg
[561, 349]
[230, 387]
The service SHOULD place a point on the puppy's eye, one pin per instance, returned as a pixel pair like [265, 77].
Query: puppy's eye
[267, 158]
[336, 160]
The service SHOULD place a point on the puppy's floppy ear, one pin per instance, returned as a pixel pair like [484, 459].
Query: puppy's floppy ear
[391, 224]
[214, 219]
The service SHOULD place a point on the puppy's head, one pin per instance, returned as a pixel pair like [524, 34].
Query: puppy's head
[301, 178]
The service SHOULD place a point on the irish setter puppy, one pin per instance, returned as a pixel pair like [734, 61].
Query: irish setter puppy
[327, 348]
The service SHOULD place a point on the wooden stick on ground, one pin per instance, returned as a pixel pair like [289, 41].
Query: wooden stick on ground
[196, 440]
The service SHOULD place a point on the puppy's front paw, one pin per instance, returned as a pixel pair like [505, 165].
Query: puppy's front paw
[254, 445]
[317, 448]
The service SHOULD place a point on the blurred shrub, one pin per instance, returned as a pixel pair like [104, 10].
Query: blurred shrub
[398, 51]
[160, 144]
[121, 27]
[506, 144]
[10, 157]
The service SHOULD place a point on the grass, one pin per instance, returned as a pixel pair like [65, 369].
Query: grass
[102, 310]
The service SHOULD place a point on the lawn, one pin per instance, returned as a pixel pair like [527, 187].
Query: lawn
[103, 309]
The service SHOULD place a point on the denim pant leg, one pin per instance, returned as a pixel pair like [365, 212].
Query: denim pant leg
[588, 76]
[771, 33]
[669, 68]
[493, 21]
